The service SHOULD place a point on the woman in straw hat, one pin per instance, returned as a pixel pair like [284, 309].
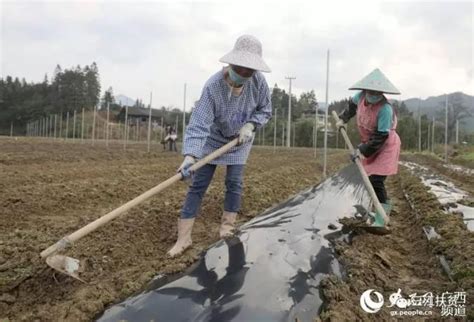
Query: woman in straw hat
[234, 103]
[377, 123]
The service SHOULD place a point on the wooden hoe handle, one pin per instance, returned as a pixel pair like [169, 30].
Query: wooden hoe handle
[78, 234]
[367, 183]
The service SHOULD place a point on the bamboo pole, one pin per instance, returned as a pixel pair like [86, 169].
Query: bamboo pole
[149, 124]
[67, 125]
[82, 127]
[125, 129]
[107, 126]
[93, 124]
[275, 131]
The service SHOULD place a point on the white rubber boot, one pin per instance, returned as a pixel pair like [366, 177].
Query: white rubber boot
[185, 227]
[228, 224]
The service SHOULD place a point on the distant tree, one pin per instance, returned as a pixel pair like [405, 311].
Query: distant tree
[92, 86]
[108, 98]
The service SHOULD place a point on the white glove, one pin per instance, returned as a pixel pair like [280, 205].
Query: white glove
[246, 133]
[340, 124]
[184, 167]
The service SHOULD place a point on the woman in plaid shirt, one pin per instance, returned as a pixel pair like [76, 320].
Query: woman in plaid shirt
[234, 103]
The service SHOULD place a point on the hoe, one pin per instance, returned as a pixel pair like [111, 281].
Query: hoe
[378, 207]
[71, 266]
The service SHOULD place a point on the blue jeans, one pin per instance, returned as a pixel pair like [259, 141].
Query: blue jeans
[201, 180]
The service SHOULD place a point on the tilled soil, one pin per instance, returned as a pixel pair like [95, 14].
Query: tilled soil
[405, 259]
[50, 189]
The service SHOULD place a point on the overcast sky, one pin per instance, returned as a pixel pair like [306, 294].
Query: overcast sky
[425, 48]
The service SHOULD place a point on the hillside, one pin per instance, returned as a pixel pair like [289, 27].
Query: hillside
[433, 105]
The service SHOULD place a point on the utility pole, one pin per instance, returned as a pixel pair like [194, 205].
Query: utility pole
[149, 123]
[326, 119]
[288, 130]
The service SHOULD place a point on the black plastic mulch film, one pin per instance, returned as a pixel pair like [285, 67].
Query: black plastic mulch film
[269, 272]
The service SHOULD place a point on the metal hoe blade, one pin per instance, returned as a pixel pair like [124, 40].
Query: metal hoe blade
[66, 265]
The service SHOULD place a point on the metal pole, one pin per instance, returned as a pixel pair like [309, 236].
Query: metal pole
[446, 133]
[149, 123]
[11, 129]
[125, 129]
[93, 124]
[326, 119]
[263, 134]
[288, 131]
[82, 126]
[184, 114]
[107, 126]
[275, 131]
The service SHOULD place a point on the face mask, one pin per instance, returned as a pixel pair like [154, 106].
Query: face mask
[236, 78]
[372, 99]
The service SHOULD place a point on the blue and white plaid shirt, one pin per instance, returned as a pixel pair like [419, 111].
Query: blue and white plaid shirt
[219, 115]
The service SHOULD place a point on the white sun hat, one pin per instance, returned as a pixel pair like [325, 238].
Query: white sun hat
[247, 52]
[376, 81]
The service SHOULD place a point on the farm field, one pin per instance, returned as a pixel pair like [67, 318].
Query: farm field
[50, 189]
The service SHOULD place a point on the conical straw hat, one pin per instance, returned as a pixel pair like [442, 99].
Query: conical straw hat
[376, 81]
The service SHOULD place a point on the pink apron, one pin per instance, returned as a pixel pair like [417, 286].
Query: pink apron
[385, 161]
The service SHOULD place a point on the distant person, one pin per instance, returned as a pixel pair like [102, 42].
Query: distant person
[234, 103]
[172, 137]
[377, 123]
[165, 140]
